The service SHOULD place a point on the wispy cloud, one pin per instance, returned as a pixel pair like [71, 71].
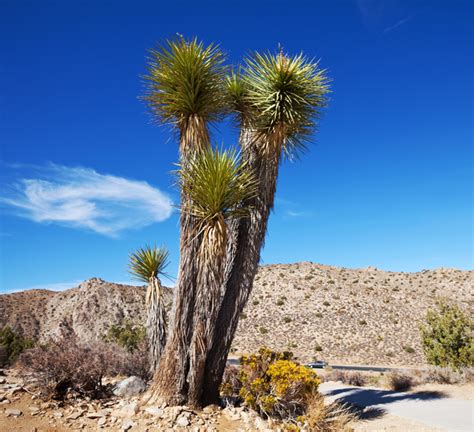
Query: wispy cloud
[83, 198]
[398, 24]
[291, 209]
[295, 214]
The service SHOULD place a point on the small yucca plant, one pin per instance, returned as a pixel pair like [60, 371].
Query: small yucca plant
[146, 265]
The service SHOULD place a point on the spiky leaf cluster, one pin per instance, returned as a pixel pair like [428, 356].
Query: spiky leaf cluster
[281, 96]
[185, 78]
[148, 263]
[216, 182]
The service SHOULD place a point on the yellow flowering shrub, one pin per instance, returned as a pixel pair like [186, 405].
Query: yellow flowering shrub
[276, 386]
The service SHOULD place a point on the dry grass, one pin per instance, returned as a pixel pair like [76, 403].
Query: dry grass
[327, 418]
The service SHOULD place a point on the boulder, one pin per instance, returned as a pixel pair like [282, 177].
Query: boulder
[131, 386]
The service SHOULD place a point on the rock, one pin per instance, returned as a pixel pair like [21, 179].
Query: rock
[95, 415]
[155, 411]
[102, 421]
[11, 412]
[127, 424]
[182, 422]
[128, 410]
[75, 415]
[58, 414]
[131, 386]
[211, 409]
[33, 409]
[3, 380]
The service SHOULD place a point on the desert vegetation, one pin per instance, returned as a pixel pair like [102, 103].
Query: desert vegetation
[226, 196]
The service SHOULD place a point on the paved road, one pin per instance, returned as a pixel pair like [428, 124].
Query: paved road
[235, 362]
[430, 408]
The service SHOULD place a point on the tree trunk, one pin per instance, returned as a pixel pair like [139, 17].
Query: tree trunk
[242, 263]
[156, 322]
[170, 381]
[209, 283]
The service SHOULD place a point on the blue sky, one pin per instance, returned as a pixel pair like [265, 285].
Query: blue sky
[86, 176]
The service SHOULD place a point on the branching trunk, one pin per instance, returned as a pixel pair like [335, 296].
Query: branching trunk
[242, 264]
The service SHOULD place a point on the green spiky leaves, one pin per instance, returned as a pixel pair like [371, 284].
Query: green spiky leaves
[148, 263]
[185, 79]
[216, 183]
[282, 96]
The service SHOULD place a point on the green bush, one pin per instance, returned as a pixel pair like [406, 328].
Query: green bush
[126, 335]
[13, 343]
[447, 337]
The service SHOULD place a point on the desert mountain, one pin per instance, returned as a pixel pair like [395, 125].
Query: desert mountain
[365, 316]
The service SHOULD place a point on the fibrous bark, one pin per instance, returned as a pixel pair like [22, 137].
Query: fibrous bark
[156, 322]
[170, 381]
[247, 236]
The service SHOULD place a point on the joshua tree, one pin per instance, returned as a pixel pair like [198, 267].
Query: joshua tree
[146, 265]
[216, 184]
[278, 99]
[184, 88]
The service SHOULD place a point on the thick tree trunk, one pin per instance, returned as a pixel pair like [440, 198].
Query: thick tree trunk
[209, 284]
[242, 265]
[156, 323]
[170, 381]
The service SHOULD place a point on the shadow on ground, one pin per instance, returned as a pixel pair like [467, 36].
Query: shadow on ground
[364, 397]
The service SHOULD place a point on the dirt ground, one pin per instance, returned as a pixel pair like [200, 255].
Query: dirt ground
[28, 422]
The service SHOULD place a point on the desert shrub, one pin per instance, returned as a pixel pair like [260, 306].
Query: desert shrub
[127, 335]
[446, 375]
[286, 319]
[276, 386]
[263, 330]
[351, 378]
[408, 349]
[13, 343]
[69, 365]
[318, 348]
[231, 385]
[398, 381]
[447, 337]
[321, 417]
[3, 356]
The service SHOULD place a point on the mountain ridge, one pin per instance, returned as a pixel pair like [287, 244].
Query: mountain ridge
[366, 316]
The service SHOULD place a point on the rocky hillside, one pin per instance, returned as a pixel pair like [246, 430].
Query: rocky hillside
[365, 316]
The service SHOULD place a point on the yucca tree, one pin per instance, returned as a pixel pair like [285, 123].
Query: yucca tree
[146, 265]
[278, 100]
[217, 184]
[184, 87]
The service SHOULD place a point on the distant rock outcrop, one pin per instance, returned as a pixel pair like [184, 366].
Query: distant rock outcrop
[365, 316]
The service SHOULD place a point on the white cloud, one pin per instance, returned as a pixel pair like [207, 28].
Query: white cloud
[83, 198]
